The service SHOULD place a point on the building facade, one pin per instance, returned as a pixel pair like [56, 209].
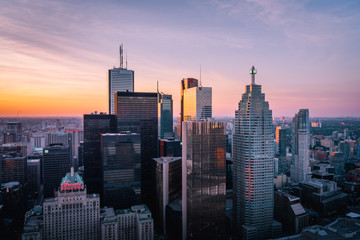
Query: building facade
[56, 163]
[165, 114]
[203, 180]
[94, 126]
[253, 170]
[121, 169]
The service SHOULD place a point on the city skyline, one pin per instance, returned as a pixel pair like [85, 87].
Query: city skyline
[55, 55]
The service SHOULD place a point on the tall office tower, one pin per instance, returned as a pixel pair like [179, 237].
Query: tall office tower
[121, 169]
[185, 83]
[281, 140]
[33, 176]
[94, 126]
[253, 156]
[119, 80]
[56, 163]
[166, 176]
[203, 180]
[299, 169]
[138, 113]
[165, 114]
[72, 214]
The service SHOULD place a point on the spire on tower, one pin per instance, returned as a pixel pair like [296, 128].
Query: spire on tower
[253, 72]
[121, 56]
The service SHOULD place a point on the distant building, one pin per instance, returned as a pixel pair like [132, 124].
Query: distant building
[289, 211]
[13, 133]
[119, 80]
[323, 170]
[337, 159]
[203, 180]
[300, 170]
[56, 163]
[13, 168]
[121, 169]
[166, 174]
[345, 148]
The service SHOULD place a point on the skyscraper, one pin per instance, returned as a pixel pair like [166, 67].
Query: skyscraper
[94, 126]
[165, 114]
[185, 83]
[138, 112]
[56, 163]
[204, 180]
[253, 156]
[121, 169]
[299, 169]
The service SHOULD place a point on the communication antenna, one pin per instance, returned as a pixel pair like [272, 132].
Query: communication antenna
[200, 76]
[121, 55]
[126, 59]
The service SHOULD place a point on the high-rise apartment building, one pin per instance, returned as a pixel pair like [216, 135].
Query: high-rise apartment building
[203, 180]
[185, 83]
[94, 126]
[119, 80]
[165, 114]
[121, 169]
[137, 112]
[253, 168]
[299, 169]
[56, 163]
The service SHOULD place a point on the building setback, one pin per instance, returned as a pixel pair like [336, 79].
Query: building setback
[253, 156]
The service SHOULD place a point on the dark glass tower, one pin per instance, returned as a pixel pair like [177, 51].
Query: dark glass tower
[56, 163]
[121, 169]
[165, 109]
[94, 126]
[204, 180]
[138, 113]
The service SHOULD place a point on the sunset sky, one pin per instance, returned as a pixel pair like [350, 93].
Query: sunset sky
[54, 55]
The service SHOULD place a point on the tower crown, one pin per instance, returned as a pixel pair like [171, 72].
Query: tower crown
[253, 72]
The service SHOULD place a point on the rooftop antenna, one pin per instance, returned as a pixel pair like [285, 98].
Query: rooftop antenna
[253, 72]
[121, 55]
[126, 60]
[200, 76]
[157, 86]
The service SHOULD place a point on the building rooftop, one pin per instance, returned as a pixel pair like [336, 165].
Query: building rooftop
[167, 159]
[72, 182]
[10, 184]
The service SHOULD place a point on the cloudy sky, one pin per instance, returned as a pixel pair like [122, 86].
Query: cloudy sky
[54, 55]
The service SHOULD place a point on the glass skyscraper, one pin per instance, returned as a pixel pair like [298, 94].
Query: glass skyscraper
[94, 126]
[119, 80]
[165, 114]
[138, 112]
[121, 169]
[204, 180]
[253, 156]
[56, 163]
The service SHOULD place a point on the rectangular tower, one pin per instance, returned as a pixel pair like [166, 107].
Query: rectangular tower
[56, 163]
[138, 112]
[119, 80]
[165, 109]
[300, 169]
[121, 169]
[204, 180]
[94, 126]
